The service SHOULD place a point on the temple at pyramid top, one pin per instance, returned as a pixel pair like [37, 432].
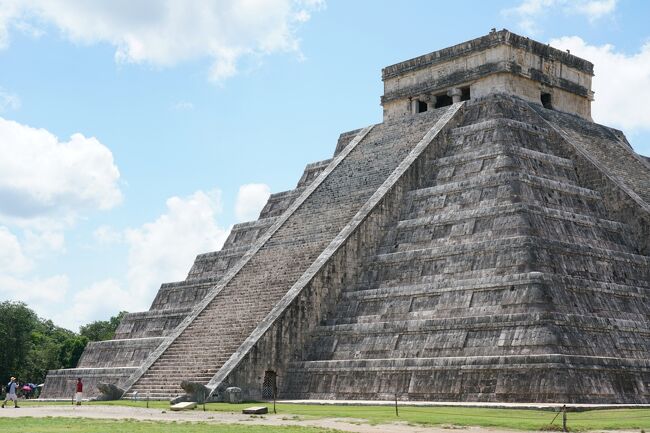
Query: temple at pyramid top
[500, 62]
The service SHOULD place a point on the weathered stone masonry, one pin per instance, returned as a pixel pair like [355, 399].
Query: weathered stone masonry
[486, 242]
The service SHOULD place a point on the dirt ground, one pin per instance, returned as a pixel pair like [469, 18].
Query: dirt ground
[125, 412]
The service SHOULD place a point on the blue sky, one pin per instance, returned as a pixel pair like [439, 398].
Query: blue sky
[134, 134]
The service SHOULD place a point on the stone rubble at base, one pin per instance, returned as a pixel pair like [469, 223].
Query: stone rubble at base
[490, 250]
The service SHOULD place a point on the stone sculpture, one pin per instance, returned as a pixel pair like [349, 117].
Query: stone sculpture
[108, 392]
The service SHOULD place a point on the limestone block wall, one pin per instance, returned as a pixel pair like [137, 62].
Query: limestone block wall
[61, 383]
[118, 353]
[152, 323]
[312, 171]
[345, 139]
[184, 294]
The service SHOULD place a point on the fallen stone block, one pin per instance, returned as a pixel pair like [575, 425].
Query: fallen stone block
[186, 405]
[255, 410]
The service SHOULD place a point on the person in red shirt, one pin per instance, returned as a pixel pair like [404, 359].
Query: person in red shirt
[80, 390]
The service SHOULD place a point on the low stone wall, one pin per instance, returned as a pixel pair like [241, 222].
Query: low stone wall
[62, 383]
[529, 378]
[152, 323]
[118, 353]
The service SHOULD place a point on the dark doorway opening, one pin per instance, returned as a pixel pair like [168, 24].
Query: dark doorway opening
[465, 95]
[422, 107]
[546, 100]
[269, 386]
[443, 100]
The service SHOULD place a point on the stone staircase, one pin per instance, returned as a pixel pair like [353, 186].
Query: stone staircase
[233, 310]
[141, 333]
[504, 269]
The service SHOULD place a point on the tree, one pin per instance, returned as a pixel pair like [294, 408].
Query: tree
[16, 325]
[30, 346]
[101, 330]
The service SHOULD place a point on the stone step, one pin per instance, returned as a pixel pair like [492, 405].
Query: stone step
[280, 202]
[498, 149]
[175, 377]
[501, 188]
[446, 283]
[243, 235]
[496, 157]
[183, 294]
[426, 364]
[491, 326]
[312, 171]
[504, 243]
[502, 256]
[477, 136]
[152, 323]
[465, 233]
[445, 217]
[499, 123]
[502, 179]
[118, 353]
[214, 265]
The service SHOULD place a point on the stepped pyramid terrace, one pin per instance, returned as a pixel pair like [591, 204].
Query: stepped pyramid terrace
[486, 242]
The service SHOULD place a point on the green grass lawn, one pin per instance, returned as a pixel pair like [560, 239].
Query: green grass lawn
[86, 425]
[517, 419]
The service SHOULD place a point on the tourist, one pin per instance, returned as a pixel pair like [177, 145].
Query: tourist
[80, 390]
[11, 392]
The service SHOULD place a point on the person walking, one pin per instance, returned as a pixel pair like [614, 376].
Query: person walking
[80, 391]
[11, 392]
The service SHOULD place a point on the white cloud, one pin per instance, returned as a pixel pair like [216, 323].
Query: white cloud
[595, 9]
[529, 12]
[251, 198]
[17, 265]
[182, 106]
[38, 243]
[107, 235]
[9, 10]
[42, 178]
[45, 185]
[44, 295]
[12, 258]
[167, 32]
[164, 250]
[8, 101]
[621, 82]
[100, 301]
[159, 251]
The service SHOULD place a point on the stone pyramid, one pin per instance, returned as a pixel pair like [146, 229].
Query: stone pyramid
[486, 242]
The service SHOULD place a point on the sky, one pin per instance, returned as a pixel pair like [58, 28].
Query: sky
[134, 134]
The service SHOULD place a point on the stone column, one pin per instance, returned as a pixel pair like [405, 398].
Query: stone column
[455, 94]
[414, 105]
[431, 102]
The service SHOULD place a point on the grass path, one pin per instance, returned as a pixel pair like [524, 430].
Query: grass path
[85, 425]
[511, 419]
